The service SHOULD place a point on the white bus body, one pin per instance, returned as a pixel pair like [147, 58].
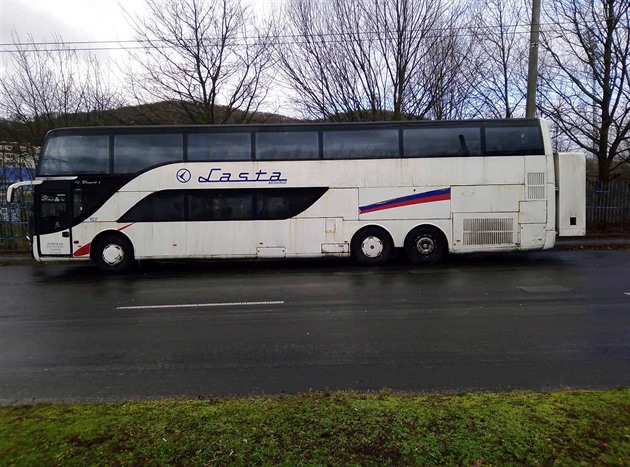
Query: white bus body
[458, 204]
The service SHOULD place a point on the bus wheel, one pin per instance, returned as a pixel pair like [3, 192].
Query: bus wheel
[371, 246]
[114, 254]
[425, 245]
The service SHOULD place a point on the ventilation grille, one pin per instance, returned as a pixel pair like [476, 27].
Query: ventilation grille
[536, 185]
[496, 231]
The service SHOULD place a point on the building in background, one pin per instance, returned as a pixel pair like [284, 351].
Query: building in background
[17, 162]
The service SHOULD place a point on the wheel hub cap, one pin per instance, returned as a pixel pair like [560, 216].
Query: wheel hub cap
[113, 254]
[372, 247]
[425, 245]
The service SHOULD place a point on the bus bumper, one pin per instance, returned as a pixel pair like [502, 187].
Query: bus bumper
[550, 240]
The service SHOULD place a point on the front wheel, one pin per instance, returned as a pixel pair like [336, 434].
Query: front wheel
[425, 245]
[371, 246]
[114, 254]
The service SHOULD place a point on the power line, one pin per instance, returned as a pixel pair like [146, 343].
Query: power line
[285, 36]
[341, 37]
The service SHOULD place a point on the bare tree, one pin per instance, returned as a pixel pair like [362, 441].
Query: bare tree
[204, 54]
[499, 82]
[329, 60]
[424, 54]
[446, 73]
[365, 59]
[41, 88]
[587, 79]
[103, 91]
[47, 86]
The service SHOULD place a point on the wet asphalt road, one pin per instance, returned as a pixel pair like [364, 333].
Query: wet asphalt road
[499, 322]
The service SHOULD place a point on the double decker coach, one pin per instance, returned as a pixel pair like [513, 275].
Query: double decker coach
[115, 195]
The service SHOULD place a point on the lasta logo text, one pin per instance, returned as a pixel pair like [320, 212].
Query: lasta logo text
[218, 175]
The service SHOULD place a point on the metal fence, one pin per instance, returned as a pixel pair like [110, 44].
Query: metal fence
[14, 226]
[607, 205]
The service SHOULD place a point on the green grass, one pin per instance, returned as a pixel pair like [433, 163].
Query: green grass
[568, 427]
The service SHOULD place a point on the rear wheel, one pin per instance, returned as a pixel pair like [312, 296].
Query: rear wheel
[371, 246]
[114, 254]
[426, 245]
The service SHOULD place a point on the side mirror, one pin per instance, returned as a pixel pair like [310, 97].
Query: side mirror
[19, 185]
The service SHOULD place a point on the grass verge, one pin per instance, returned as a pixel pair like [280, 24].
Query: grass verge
[567, 427]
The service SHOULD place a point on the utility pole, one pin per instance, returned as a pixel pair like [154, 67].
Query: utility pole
[532, 71]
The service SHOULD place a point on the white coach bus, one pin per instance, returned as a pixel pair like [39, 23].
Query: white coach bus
[115, 195]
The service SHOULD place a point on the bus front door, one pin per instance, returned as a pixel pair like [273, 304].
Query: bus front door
[53, 222]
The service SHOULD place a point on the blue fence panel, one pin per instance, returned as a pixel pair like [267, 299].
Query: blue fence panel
[14, 221]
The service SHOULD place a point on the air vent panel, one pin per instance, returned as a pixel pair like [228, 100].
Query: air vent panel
[535, 185]
[489, 231]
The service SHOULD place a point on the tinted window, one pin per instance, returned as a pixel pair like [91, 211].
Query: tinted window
[273, 205]
[287, 145]
[284, 203]
[90, 193]
[53, 212]
[220, 205]
[65, 155]
[163, 206]
[513, 140]
[87, 200]
[133, 153]
[364, 143]
[442, 142]
[224, 205]
[219, 146]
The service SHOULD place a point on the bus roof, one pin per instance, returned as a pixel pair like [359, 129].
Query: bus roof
[131, 129]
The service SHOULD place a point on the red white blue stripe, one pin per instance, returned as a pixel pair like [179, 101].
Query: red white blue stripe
[410, 200]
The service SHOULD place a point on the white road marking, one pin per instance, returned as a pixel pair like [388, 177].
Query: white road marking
[197, 305]
[544, 288]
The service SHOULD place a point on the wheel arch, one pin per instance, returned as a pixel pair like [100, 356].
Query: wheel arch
[109, 233]
[433, 226]
[371, 245]
[369, 226]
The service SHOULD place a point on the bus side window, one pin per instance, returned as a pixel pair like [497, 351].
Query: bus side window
[136, 152]
[513, 141]
[215, 146]
[366, 143]
[442, 142]
[202, 208]
[288, 145]
[237, 207]
[272, 207]
[219, 205]
[162, 206]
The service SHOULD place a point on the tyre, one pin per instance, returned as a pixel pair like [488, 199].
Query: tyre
[371, 246]
[114, 254]
[425, 245]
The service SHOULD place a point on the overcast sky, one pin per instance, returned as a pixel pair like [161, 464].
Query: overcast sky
[78, 21]
[73, 20]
